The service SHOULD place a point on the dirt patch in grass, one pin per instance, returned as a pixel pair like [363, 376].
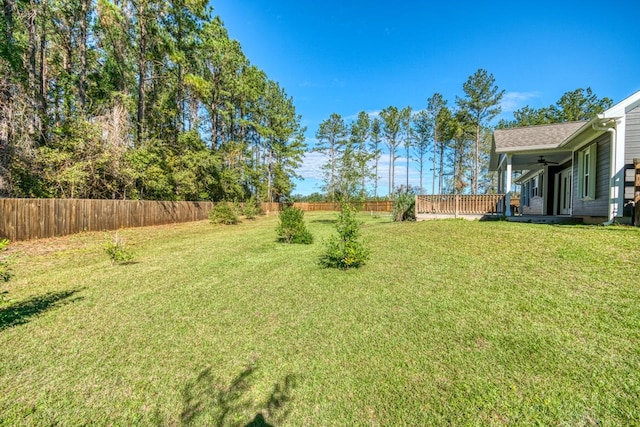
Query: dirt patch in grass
[83, 240]
[52, 244]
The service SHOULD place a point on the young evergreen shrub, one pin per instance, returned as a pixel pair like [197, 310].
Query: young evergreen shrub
[345, 250]
[291, 228]
[251, 208]
[5, 266]
[118, 251]
[404, 207]
[224, 213]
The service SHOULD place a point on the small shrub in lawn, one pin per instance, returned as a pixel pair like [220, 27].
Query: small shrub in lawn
[292, 228]
[5, 267]
[345, 250]
[251, 209]
[118, 251]
[404, 207]
[224, 213]
[237, 207]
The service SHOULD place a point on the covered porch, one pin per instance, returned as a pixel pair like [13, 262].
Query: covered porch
[532, 158]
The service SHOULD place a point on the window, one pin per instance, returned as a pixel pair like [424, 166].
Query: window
[587, 172]
[536, 184]
[525, 193]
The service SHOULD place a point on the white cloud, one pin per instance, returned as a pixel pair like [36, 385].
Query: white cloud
[353, 117]
[312, 165]
[311, 171]
[512, 101]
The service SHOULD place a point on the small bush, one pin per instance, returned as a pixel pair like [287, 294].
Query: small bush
[224, 213]
[345, 250]
[237, 208]
[251, 209]
[404, 207]
[118, 251]
[5, 262]
[292, 228]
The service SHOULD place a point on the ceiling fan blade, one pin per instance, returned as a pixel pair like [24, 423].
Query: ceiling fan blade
[545, 162]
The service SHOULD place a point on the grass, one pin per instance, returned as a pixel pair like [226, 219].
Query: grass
[450, 322]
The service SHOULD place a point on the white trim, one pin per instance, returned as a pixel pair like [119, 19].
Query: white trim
[619, 154]
[622, 107]
[563, 196]
[507, 210]
[587, 172]
[501, 160]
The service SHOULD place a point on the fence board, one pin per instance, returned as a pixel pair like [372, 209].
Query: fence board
[382, 206]
[26, 219]
[460, 204]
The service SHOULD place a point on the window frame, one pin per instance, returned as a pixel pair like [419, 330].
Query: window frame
[587, 163]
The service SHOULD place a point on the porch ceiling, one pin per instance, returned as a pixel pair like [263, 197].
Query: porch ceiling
[527, 144]
[529, 160]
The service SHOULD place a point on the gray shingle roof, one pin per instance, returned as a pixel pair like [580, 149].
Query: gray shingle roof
[534, 137]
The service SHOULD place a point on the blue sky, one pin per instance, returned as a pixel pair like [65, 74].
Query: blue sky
[350, 56]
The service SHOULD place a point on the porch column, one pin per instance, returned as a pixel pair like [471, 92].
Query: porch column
[507, 189]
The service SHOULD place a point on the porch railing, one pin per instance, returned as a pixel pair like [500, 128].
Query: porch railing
[461, 204]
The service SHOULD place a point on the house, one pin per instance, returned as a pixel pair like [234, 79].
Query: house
[580, 170]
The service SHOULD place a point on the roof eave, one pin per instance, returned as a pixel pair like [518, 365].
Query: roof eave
[586, 133]
[527, 149]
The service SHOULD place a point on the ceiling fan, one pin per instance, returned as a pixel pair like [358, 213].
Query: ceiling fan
[544, 162]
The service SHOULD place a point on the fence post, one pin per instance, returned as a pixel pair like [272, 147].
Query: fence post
[457, 201]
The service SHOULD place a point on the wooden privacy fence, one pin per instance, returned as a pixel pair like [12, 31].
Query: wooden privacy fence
[26, 219]
[383, 206]
[460, 204]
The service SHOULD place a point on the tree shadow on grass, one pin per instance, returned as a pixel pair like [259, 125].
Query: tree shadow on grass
[21, 312]
[324, 221]
[206, 401]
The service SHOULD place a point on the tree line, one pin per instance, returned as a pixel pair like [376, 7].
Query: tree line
[137, 99]
[453, 143]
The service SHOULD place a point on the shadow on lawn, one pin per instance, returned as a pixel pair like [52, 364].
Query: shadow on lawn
[205, 399]
[324, 221]
[21, 312]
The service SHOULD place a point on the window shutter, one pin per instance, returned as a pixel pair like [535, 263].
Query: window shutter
[580, 174]
[593, 160]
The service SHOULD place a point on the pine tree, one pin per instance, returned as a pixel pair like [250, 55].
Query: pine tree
[332, 137]
[482, 101]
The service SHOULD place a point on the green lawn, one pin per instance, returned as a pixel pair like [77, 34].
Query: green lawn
[450, 322]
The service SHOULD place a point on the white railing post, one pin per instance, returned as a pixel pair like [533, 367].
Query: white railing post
[507, 197]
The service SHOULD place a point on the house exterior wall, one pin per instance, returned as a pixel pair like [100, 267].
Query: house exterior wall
[599, 207]
[632, 136]
[534, 208]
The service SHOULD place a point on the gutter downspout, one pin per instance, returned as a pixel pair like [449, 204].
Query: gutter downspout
[613, 152]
